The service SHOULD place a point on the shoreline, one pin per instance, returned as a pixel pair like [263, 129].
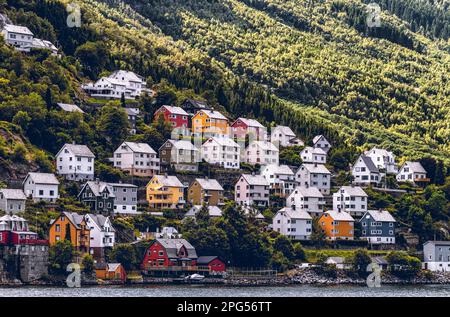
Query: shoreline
[292, 278]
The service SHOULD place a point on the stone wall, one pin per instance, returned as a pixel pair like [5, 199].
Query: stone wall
[27, 263]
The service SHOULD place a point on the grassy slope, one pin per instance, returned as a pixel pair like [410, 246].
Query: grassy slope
[396, 96]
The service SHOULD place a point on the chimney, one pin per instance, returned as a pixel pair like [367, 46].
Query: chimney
[97, 180]
[315, 164]
[253, 173]
[206, 178]
[73, 143]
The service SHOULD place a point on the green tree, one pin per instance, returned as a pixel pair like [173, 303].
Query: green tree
[284, 245]
[60, 255]
[113, 124]
[88, 264]
[360, 260]
[125, 255]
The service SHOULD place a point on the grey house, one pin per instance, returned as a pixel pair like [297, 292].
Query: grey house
[125, 198]
[378, 227]
[436, 256]
[12, 200]
[98, 196]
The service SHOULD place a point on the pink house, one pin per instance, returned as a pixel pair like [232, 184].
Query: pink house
[252, 190]
[242, 127]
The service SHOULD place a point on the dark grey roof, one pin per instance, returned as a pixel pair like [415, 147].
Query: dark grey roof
[205, 259]
[173, 246]
[438, 242]
[75, 218]
[369, 163]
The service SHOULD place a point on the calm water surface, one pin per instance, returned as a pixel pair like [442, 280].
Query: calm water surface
[204, 291]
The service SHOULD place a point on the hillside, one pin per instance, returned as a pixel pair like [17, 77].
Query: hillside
[310, 65]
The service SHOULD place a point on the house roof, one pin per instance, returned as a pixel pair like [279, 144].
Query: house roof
[209, 184]
[173, 246]
[256, 180]
[264, 145]
[223, 142]
[213, 114]
[78, 150]
[369, 164]
[139, 147]
[437, 242]
[132, 111]
[295, 214]
[314, 150]
[98, 188]
[7, 218]
[17, 29]
[9, 193]
[112, 267]
[213, 211]
[169, 181]
[317, 138]
[100, 220]
[382, 152]
[181, 145]
[74, 218]
[198, 104]
[128, 75]
[43, 178]
[415, 167]
[380, 260]
[123, 185]
[277, 169]
[336, 260]
[203, 260]
[380, 215]
[175, 110]
[69, 107]
[251, 123]
[316, 168]
[339, 215]
[308, 191]
[249, 210]
[44, 44]
[353, 191]
[284, 130]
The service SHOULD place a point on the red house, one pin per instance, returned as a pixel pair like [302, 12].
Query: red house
[175, 116]
[212, 262]
[14, 231]
[169, 253]
[243, 127]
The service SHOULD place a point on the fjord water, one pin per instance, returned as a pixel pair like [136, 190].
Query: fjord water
[203, 291]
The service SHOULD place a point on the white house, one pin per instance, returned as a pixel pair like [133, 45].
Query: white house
[281, 179]
[383, 159]
[12, 200]
[69, 107]
[364, 172]
[118, 84]
[284, 136]
[295, 224]
[44, 45]
[139, 159]
[261, 152]
[308, 199]
[252, 190]
[41, 186]
[412, 172]
[436, 256]
[75, 162]
[102, 232]
[18, 36]
[314, 175]
[221, 151]
[313, 155]
[213, 211]
[320, 141]
[351, 199]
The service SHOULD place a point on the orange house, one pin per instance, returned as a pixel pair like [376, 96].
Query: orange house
[210, 123]
[70, 226]
[337, 225]
[111, 271]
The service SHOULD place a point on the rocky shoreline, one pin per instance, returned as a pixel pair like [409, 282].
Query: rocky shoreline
[294, 277]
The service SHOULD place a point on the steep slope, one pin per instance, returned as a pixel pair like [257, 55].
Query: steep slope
[306, 64]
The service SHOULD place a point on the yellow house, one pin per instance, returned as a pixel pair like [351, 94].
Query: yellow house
[165, 192]
[210, 123]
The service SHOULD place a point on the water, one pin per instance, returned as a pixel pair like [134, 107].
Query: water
[221, 291]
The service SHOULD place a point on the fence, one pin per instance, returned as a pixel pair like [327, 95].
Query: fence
[252, 273]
